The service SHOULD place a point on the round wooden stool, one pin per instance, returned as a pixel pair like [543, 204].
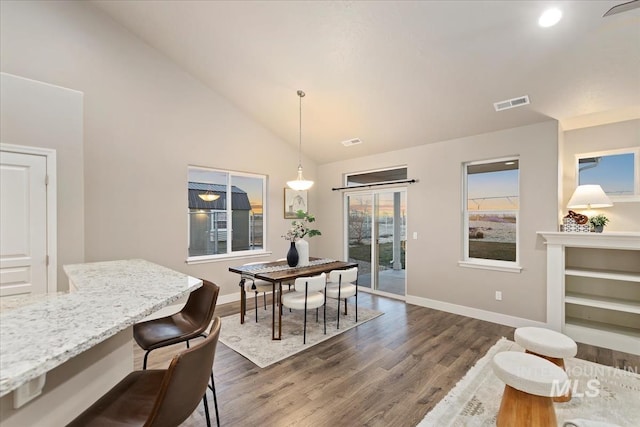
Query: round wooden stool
[550, 345]
[530, 384]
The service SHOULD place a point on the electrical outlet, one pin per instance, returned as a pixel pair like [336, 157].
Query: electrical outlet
[498, 296]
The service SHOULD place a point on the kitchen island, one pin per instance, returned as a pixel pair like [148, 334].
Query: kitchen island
[72, 347]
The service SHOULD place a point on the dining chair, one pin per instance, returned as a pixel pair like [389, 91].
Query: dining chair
[343, 284]
[158, 397]
[308, 293]
[251, 284]
[189, 323]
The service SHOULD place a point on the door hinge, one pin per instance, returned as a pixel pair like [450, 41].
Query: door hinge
[46, 180]
[47, 260]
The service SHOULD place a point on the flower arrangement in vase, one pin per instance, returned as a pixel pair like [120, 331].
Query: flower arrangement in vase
[298, 255]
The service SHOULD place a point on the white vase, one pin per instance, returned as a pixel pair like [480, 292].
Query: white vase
[302, 246]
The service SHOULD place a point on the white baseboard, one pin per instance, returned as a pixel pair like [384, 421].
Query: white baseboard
[476, 313]
[224, 299]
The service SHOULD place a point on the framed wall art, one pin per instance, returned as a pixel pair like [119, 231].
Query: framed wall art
[295, 201]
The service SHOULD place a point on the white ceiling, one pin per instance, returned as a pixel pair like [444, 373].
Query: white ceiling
[398, 74]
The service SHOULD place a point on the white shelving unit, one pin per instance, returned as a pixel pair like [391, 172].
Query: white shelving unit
[597, 306]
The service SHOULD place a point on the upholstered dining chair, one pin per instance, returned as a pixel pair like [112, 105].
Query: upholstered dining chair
[343, 284]
[158, 397]
[252, 284]
[308, 293]
[189, 323]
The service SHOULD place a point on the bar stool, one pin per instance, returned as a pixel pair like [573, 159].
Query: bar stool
[548, 344]
[530, 384]
[158, 397]
[189, 323]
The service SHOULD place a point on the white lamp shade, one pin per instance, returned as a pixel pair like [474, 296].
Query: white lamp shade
[588, 197]
[300, 183]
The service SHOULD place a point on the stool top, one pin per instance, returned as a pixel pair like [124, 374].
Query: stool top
[530, 374]
[545, 342]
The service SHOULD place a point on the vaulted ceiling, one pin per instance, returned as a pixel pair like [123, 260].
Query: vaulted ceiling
[398, 73]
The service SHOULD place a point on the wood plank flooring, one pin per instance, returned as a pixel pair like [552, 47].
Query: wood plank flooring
[389, 371]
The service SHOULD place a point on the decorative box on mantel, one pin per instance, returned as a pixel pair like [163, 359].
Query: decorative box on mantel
[574, 222]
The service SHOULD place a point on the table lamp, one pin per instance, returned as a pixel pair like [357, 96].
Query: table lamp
[589, 197]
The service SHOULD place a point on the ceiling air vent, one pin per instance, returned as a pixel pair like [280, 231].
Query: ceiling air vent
[511, 103]
[350, 142]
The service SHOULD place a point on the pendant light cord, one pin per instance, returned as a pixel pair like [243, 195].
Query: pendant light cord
[300, 94]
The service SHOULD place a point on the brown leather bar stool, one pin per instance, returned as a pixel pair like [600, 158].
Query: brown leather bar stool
[158, 397]
[189, 323]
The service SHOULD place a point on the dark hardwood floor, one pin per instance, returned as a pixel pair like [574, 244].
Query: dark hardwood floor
[389, 371]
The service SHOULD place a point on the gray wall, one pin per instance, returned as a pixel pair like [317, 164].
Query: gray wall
[434, 209]
[623, 216]
[42, 115]
[145, 121]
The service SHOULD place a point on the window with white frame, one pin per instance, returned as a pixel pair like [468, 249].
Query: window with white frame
[491, 205]
[226, 213]
[616, 171]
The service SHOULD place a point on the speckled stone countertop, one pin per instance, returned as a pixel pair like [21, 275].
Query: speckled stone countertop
[40, 333]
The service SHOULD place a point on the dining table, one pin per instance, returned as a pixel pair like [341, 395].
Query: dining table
[277, 273]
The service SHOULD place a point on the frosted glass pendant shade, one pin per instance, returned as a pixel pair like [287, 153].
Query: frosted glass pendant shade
[300, 183]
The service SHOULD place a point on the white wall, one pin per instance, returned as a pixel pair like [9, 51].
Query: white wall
[145, 121]
[434, 211]
[42, 115]
[623, 216]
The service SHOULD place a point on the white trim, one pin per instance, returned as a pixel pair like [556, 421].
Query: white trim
[472, 263]
[635, 197]
[466, 261]
[225, 257]
[476, 313]
[229, 175]
[52, 210]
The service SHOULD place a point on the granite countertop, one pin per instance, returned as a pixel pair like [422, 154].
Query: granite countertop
[40, 333]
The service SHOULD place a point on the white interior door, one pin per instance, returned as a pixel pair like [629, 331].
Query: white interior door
[23, 224]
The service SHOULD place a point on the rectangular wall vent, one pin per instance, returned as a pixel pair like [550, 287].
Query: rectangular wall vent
[350, 142]
[511, 103]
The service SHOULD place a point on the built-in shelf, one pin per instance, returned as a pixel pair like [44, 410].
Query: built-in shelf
[607, 303]
[603, 274]
[621, 301]
[603, 335]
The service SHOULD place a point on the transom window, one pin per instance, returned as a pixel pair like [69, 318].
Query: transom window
[616, 171]
[491, 206]
[226, 213]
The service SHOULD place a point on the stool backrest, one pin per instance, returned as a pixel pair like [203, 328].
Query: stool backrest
[314, 283]
[200, 306]
[344, 276]
[185, 382]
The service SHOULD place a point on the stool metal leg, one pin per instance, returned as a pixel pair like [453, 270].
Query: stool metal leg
[206, 409]
[212, 387]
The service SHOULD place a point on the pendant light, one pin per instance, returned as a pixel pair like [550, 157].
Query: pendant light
[208, 196]
[300, 183]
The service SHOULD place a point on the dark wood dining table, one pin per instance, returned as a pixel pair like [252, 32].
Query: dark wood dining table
[277, 273]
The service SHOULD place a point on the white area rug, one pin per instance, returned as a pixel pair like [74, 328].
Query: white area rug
[613, 395]
[253, 340]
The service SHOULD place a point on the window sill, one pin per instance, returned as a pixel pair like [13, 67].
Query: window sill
[487, 266]
[226, 257]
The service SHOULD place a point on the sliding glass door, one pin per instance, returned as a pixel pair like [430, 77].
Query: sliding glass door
[376, 237]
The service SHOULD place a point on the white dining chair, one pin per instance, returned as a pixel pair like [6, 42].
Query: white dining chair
[308, 293]
[252, 284]
[343, 284]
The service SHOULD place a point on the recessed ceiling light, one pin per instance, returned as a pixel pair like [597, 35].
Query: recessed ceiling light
[509, 163]
[550, 17]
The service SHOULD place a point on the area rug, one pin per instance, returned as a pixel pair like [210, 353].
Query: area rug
[253, 340]
[602, 394]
